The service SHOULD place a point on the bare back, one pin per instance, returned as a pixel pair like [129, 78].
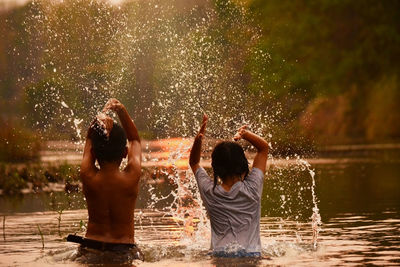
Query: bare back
[111, 198]
[111, 194]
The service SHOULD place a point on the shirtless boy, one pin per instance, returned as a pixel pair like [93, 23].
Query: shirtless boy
[110, 193]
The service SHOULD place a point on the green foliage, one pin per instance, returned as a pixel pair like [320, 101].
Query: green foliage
[323, 68]
[66, 172]
[12, 183]
[340, 59]
[382, 108]
[18, 143]
[354, 117]
[327, 46]
[13, 178]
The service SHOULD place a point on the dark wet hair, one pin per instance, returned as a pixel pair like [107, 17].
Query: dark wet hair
[111, 148]
[228, 159]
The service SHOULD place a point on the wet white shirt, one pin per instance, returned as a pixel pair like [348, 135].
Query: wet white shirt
[234, 215]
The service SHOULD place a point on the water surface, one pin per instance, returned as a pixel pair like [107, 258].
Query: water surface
[359, 203]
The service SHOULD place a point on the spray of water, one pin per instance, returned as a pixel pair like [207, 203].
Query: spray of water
[185, 205]
[168, 64]
[315, 217]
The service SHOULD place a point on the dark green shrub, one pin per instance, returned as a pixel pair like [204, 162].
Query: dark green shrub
[12, 183]
[18, 143]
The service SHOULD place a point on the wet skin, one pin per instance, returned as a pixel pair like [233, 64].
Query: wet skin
[110, 193]
[111, 198]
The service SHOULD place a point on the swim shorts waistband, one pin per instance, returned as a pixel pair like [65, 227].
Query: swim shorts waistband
[99, 245]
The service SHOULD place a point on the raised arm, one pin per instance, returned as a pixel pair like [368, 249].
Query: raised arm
[134, 149]
[104, 123]
[260, 160]
[195, 153]
[88, 161]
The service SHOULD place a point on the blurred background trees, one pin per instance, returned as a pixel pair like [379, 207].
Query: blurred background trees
[342, 58]
[323, 70]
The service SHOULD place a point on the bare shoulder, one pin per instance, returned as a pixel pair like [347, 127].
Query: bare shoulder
[134, 158]
[132, 175]
[130, 181]
[87, 175]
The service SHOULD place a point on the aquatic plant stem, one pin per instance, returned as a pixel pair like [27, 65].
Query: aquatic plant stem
[4, 227]
[41, 235]
[59, 221]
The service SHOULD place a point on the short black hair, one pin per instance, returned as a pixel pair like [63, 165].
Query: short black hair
[108, 148]
[228, 159]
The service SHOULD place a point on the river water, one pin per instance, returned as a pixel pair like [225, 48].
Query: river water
[358, 199]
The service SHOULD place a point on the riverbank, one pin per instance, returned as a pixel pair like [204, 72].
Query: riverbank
[164, 149]
[58, 168]
[358, 150]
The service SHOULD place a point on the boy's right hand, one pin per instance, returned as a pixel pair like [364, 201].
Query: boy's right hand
[114, 105]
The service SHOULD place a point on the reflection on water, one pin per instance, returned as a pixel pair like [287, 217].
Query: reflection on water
[347, 238]
[359, 204]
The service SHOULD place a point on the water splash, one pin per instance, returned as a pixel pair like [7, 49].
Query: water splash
[315, 217]
[185, 205]
[75, 123]
[168, 65]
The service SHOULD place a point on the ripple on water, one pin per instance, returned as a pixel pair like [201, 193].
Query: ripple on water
[165, 242]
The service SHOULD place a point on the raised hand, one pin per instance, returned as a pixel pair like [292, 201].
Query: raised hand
[258, 142]
[239, 135]
[203, 127]
[195, 153]
[105, 122]
[114, 105]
